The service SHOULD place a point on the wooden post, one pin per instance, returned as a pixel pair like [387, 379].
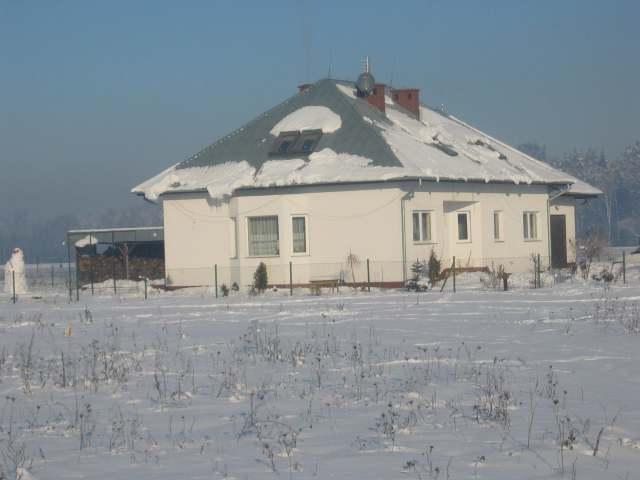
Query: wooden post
[290, 279]
[454, 274]
[215, 278]
[113, 273]
[114, 260]
[145, 288]
[91, 261]
[13, 280]
[368, 277]
[624, 267]
[52, 273]
[69, 268]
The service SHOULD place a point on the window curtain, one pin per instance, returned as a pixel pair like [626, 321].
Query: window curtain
[299, 235]
[263, 236]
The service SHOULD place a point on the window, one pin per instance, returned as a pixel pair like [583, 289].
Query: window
[299, 226]
[463, 226]
[530, 225]
[284, 146]
[497, 225]
[307, 142]
[284, 142]
[263, 236]
[421, 226]
[233, 232]
[296, 143]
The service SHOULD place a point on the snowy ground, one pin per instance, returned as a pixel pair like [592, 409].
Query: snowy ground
[387, 385]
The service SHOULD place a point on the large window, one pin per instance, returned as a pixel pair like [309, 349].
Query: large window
[497, 226]
[421, 227]
[299, 226]
[263, 236]
[530, 225]
[463, 227]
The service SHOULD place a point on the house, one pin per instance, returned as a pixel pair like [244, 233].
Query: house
[349, 179]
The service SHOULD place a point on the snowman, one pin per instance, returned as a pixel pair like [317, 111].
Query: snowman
[15, 266]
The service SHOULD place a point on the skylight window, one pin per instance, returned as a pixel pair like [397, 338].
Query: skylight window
[283, 143]
[296, 143]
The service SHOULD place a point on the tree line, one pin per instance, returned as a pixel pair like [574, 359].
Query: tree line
[615, 215]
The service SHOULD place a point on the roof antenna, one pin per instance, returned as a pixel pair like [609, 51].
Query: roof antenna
[393, 71]
[365, 65]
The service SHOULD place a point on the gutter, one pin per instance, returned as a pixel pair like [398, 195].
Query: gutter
[407, 196]
[438, 180]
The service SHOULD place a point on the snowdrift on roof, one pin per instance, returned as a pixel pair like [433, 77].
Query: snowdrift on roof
[309, 118]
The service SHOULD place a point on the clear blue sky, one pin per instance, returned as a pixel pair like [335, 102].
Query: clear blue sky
[96, 96]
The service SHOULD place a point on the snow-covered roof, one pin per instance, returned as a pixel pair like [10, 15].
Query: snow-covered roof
[358, 143]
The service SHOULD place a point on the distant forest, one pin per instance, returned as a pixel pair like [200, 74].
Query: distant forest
[43, 241]
[615, 216]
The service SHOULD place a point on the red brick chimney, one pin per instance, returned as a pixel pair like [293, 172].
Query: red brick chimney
[376, 98]
[407, 98]
[303, 86]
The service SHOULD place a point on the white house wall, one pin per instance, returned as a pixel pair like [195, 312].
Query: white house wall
[364, 222]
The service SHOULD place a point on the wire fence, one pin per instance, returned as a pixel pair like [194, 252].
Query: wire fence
[64, 280]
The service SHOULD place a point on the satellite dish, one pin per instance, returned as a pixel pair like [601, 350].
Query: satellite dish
[365, 84]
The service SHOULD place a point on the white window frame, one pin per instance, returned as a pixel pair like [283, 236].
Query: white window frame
[498, 215]
[233, 238]
[248, 221]
[468, 215]
[306, 235]
[529, 220]
[430, 236]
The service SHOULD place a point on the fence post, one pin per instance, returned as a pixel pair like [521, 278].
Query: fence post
[13, 280]
[69, 268]
[624, 267]
[215, 278]
[290, 278]
[368, 277]
[145, 288]
[52, 272]
[454, 274]
[113, 274]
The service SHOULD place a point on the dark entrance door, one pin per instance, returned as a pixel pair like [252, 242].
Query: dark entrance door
[558, 241]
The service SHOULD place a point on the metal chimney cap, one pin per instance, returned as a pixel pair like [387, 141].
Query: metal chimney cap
[365, 84]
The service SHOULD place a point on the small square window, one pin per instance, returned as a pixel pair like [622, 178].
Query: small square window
[284, 143]
[307, 142]
[463, 227]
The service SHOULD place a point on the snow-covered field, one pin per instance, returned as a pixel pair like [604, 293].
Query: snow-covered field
[382, 385]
